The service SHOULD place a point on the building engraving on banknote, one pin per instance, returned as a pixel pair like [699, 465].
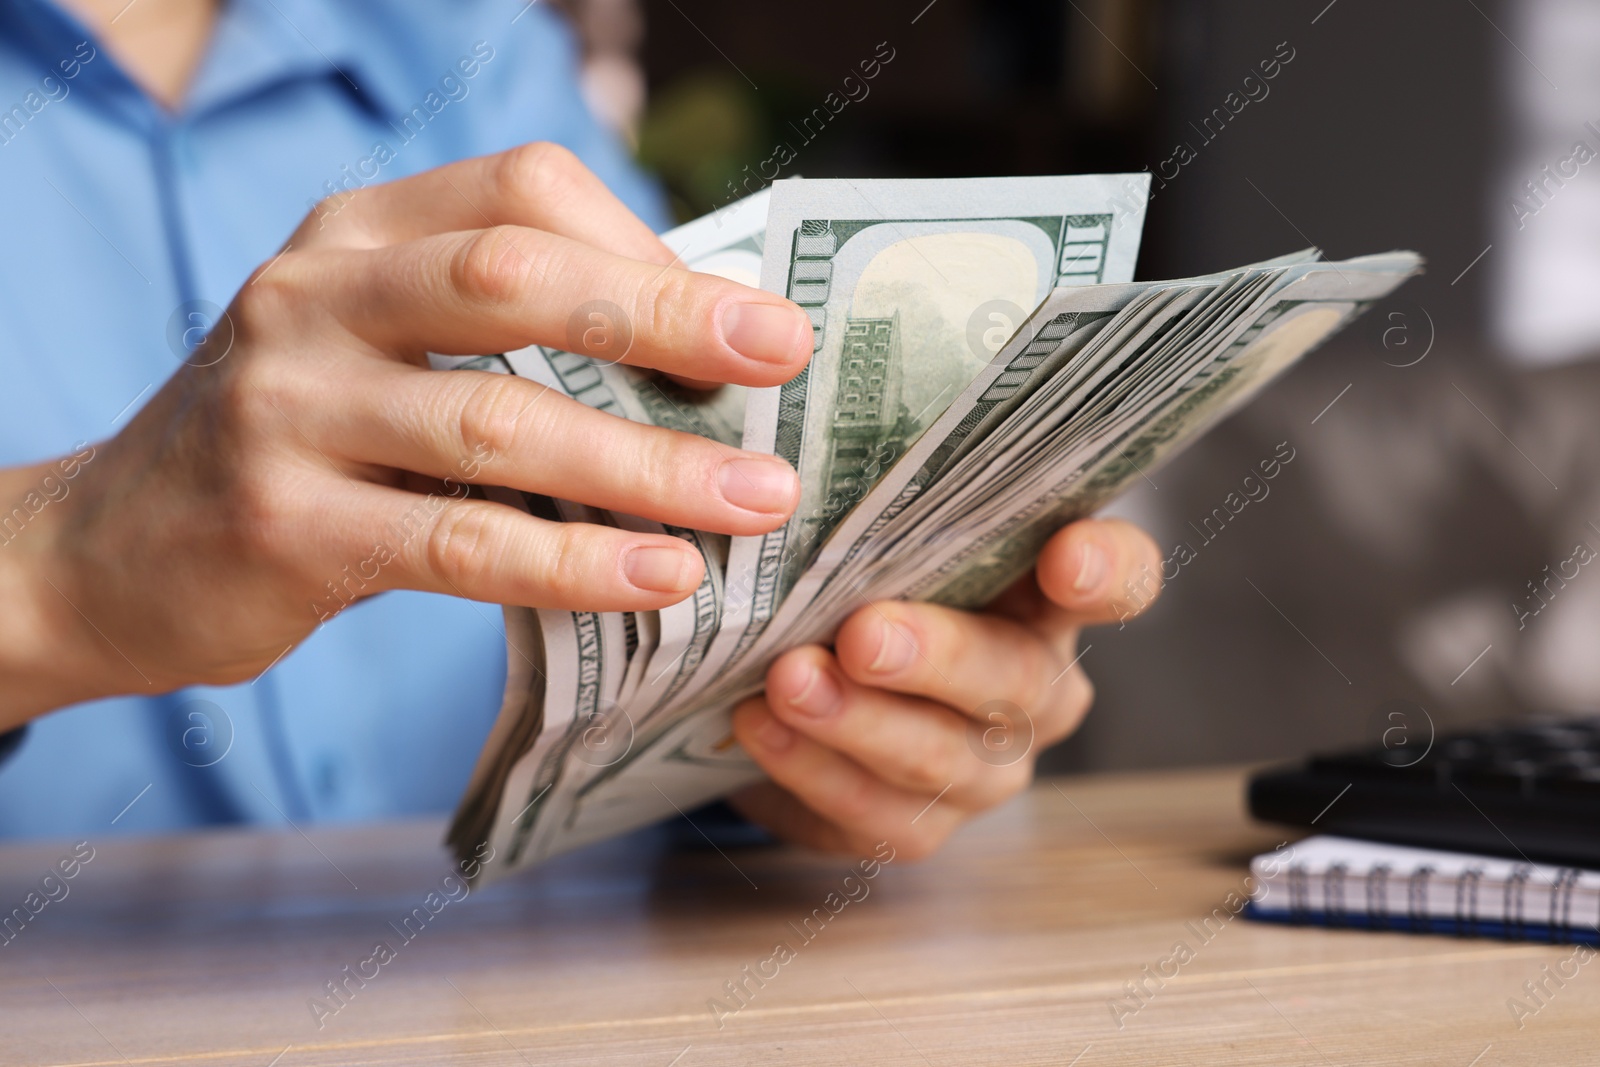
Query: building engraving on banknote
[926, 276]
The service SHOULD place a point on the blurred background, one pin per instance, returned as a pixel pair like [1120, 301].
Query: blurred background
[1423, 545]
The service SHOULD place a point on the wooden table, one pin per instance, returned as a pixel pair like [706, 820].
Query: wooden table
[1010, 947]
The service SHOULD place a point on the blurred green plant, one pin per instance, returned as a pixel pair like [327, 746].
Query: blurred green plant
[698, 133]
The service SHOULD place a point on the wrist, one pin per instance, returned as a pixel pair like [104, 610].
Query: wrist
[50, 653]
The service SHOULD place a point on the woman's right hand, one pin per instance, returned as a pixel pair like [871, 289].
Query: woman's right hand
[306, 455]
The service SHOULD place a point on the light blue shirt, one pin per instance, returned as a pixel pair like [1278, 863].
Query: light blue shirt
[114, 214]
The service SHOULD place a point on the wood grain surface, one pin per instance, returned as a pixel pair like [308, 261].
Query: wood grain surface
[1013, 946]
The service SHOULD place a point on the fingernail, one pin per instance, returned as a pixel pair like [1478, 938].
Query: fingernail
[819, 697]
[758, 484]
[766, 333]
[1092, 567]
[660, 570]
[774, 735]
[895, 649]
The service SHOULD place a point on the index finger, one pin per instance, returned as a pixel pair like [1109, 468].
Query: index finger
[502, 289]
[540, 185]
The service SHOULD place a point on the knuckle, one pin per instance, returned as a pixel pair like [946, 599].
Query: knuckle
[930, 765]
[1039, 675]
[567, 574]
[855, 803]
[491, 269]
[459, 547]
[261, 521]
[926, 775]
[541, 170]
[1068, 706]
[273, 293]
[675, 293]
[325, 211]
[490, 417]
[327, 207]
[659, 470]
[252, 400]
[663, 461]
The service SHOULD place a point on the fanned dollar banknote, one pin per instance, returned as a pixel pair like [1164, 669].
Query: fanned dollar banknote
[985, 371]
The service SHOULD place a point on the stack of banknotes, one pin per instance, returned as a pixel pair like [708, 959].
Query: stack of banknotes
[985, 371]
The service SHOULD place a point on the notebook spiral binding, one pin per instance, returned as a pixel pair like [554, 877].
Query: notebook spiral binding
[1467, 901]
[1333, 880]
[1417, 897]
[1378, 897]
[1466, 920]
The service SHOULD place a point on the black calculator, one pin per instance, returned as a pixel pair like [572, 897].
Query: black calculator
[1528, 790]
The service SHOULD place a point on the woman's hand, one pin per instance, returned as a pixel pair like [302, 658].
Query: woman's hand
[305, 457]
[922, 715]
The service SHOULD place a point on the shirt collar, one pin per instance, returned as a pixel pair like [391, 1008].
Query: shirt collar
[256, 45]
[51, 36]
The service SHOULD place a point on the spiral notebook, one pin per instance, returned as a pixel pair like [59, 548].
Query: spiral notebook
[1339, 881]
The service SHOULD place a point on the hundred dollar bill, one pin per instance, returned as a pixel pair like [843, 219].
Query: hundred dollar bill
[1228, 359]
[646, 658]
[563, 676]
[1304, 307]
[910, 286]
[902, 279]
[1037, 426]
[1062, 347]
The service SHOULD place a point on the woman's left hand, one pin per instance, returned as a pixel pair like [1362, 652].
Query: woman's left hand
[922, 715]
